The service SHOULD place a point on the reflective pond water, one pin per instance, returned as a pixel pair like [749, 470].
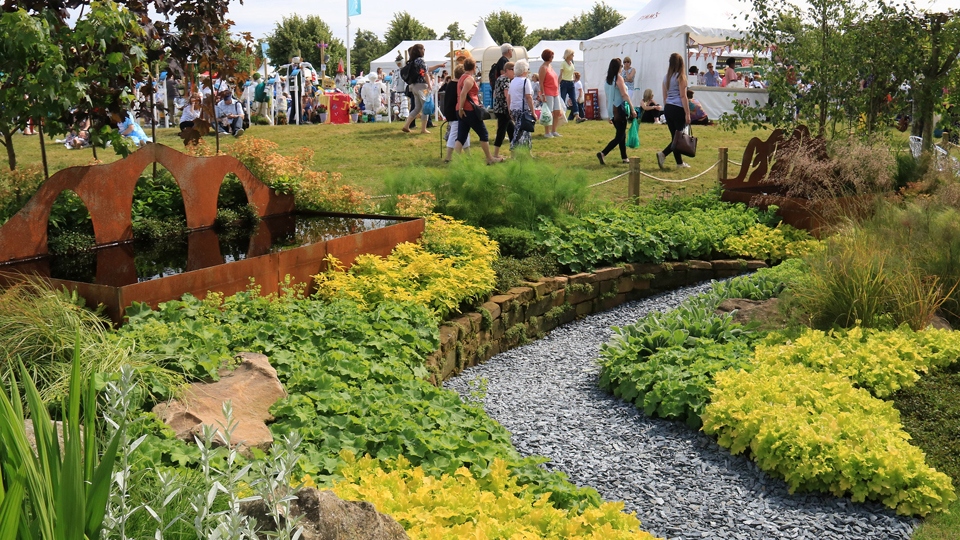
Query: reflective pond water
[133, 262]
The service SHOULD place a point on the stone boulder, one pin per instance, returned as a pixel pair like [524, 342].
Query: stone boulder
[252, 388]
[324, 516]
[766, 312]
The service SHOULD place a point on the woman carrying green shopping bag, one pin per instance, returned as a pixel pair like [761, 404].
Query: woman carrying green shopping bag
[618, 109]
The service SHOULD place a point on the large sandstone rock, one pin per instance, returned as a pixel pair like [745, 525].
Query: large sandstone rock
[252, 389]
[766, 313]
[324, 516]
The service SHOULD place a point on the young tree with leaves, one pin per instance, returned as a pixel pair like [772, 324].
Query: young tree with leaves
[404, 27]
[367, 47]
[301, 36]
[454, 32]
[590, 24]
[506, 27]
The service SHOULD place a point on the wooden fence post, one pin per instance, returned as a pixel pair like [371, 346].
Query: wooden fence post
[633, 184]
[722, 167]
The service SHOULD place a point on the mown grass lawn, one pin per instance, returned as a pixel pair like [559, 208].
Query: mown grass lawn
[367, 153]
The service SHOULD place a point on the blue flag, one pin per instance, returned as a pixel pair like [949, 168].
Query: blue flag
[353, 7]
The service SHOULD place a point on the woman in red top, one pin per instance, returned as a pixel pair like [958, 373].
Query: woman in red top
[550, 92]
[468, 108]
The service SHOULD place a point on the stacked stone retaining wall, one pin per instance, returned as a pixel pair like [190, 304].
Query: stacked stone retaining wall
[530, 311]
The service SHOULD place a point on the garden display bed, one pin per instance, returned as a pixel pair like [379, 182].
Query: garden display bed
[509, 320]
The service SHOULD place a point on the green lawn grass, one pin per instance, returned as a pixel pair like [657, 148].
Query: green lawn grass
[366, 153]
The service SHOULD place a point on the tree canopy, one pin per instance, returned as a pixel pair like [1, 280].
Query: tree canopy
[367, 47]
[590, 24]
[405, 27]
[302, 36]
[506, 27]
[454, 32]
[857, 62]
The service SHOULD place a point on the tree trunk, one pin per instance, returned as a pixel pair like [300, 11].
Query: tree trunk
[43, 149]
[11, 153]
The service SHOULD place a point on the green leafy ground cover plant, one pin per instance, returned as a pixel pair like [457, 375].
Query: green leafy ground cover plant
[930, 413]
[460, 505]
[452, 266]
[880, 362]
[653, 233]
[355, 378]
[818, 432]
[665, 363]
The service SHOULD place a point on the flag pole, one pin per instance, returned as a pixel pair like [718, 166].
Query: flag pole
[349, 72]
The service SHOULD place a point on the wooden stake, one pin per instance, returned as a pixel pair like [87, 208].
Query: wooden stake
[722, 167]
[633, 185]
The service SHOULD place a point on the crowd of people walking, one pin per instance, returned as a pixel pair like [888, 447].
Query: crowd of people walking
[521, 100]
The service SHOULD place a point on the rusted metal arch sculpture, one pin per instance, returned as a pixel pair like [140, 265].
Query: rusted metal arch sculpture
[107, 191]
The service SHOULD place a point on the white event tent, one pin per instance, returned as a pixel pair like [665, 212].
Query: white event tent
[649, 37]
[436, 51]
[557, 47]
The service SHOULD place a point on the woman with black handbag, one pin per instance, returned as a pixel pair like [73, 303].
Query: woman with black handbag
[676, 107]
[520, 102]
[471, 112]
[618, 105]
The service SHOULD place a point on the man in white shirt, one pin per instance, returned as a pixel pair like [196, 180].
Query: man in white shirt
[230, 115]
[399, 88]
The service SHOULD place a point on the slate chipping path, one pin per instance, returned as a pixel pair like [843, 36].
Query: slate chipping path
[681, 484]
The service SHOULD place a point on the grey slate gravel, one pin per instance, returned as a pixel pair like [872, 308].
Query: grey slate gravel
[681, 484]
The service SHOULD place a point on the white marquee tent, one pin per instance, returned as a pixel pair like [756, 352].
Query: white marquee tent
[557, 47]
[649, 37]
[481, 37]
[436, 52]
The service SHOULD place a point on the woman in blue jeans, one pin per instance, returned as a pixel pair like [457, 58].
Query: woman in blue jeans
[618, 100]
[567, 88]
[676, 106]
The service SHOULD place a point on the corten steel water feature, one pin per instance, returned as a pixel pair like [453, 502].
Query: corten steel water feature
[107, 191]
[756, 184]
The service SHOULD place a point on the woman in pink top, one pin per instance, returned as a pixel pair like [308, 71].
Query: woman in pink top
[550, 92]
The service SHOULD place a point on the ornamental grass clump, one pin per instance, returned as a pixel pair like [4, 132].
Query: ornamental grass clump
[40, 326]
[818, 432]
[514, 194]
[861, 279]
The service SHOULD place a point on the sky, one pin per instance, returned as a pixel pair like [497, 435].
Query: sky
[260, 17]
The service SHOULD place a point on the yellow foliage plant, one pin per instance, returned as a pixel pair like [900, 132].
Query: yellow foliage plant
[819, 433]
[461, 506]
[771, 244]
[881, 362]
[451, 265]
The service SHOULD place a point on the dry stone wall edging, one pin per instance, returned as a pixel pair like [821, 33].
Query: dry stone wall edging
[532, 310]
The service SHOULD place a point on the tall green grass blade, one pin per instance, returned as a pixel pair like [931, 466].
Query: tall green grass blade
[48, 456]
[10, 508]
[70, 503]
[98, 491]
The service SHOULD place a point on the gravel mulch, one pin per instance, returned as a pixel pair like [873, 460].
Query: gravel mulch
[681, 484]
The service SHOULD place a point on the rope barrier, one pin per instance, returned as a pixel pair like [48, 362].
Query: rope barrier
[608, 180]
[734, 162]
[379, 196]
[715, 163]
